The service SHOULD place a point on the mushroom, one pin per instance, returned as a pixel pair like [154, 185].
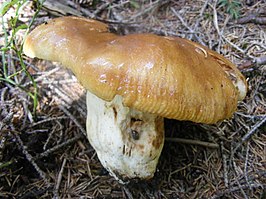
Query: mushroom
[135, 81]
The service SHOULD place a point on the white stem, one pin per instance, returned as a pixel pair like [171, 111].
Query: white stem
[128, 142]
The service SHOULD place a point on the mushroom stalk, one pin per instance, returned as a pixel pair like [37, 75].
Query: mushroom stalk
[128, 142]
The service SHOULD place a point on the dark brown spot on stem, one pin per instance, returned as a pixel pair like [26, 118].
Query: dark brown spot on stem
[135, 134]
[115, 113]
[124, 149]
[129, 152]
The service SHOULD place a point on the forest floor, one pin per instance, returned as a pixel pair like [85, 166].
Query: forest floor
[45, 154]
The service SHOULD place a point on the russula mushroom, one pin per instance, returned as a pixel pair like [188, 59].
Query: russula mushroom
[135, 81]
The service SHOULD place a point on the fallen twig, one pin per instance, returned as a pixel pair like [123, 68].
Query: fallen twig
[59, 179]
[252, 18]
[250, 133]
[148, 9]
[225, 166]
[128, 193]
[234, 45]
[57, 8]
[84, 11]
[194, 142]
[73, 119]
[48, 120]
[59, 146]
[260, 60]
[188, 27]
[35, 192]
[253, 129]
[102, 7]
[246, 165]
[178, 170]
[250, 63]
[29, 156]
[237, 173]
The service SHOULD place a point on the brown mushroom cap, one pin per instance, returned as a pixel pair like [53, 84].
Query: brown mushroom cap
[172, 77]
